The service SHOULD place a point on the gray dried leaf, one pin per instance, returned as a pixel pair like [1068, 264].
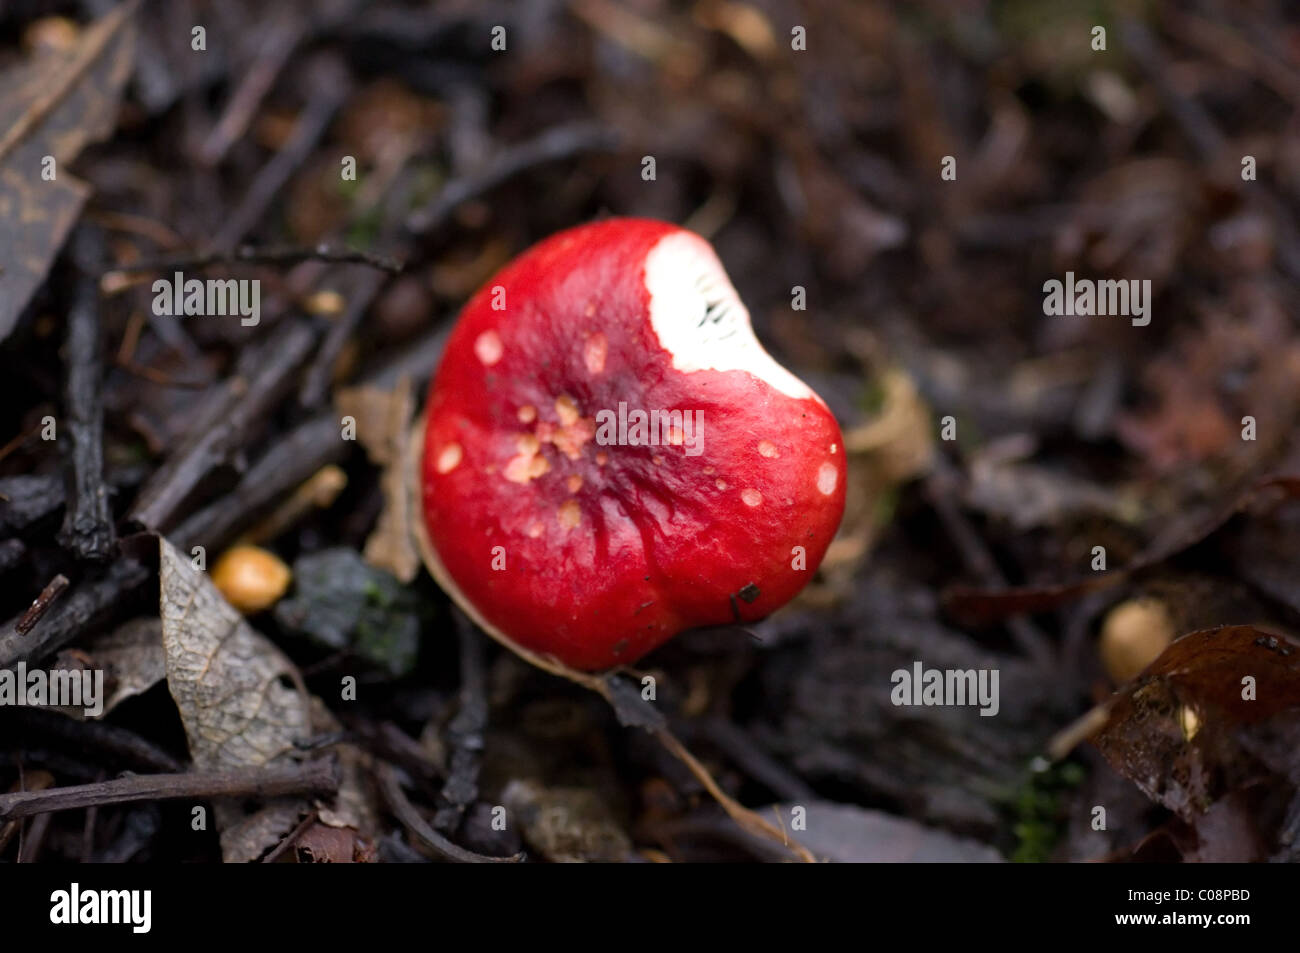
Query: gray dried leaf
[245, 839]
[240, 698]
[234, 688]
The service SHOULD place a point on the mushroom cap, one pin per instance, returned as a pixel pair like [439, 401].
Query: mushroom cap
[572, 530]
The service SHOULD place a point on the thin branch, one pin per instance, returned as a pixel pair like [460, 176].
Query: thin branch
[41, 604]
[267, 371]
[465, 733]
[315, 777]
[264, 255]
[99, 742]
[87, 530]
[330, 85]
[561, 142]
[418, 827]
[939, 490]
[91, 601]
[288, 840]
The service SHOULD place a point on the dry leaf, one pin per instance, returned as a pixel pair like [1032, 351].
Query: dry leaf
[321, 844]
[240, 698]
[1174, 731]
[383, 421]
[51, 106]
[246, 839]
[234, 688]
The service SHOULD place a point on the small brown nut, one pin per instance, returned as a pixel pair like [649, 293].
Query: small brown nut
[51, 34]
[251, 578]
[1133, 636]
[325, 303]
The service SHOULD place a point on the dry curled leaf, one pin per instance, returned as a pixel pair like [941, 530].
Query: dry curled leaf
[50, 107]
[1174, 731]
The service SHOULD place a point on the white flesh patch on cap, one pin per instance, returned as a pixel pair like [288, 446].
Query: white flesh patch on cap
[701, 321]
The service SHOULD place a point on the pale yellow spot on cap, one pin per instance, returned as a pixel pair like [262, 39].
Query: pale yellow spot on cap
[574, 483]
[527, 414]
[593, 354]
[720, 484]
[570, 514]
[525, 467]
[566, 410]
[708, 471]
[657, 460]
[488, 347]
[528, 444]
[751, 497]
[675, 436]
[835, 447]
[827, 477]
[450, 457]
[602, 458]
[536, 530]
[767, 448]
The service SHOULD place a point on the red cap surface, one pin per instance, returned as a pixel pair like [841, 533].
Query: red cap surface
[610, 456]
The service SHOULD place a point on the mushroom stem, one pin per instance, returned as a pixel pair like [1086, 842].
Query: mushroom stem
[748, 820]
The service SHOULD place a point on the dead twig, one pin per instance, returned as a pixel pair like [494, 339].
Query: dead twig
[93, 600]
[330, 86]
[465, 733]
[278, 43]
[266, 372]
[415, 824]
[315, 777]
[263, 255]
[562, 142]
[41, 604]
[939, 490]
[103, 743]
[87, 530]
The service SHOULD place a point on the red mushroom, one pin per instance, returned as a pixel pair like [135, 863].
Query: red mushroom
[610, 456]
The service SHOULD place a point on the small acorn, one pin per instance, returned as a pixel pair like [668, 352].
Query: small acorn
[251, 578]
[1133, 635]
